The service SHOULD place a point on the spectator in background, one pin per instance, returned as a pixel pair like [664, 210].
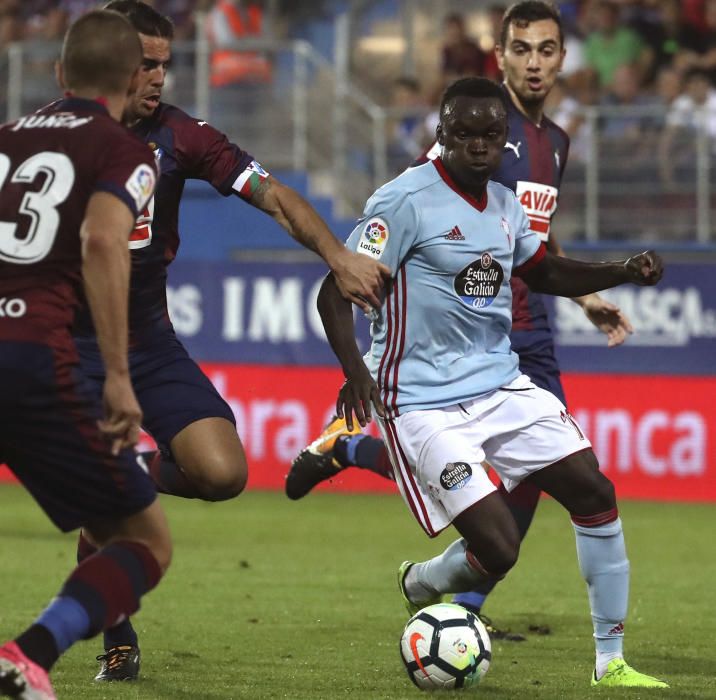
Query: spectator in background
[228, 22]
[610, 45]
[666, 33]
[691, 114]
[407, 138]
[668, 86]
[461, 55]
[625, 91]
[700, 47]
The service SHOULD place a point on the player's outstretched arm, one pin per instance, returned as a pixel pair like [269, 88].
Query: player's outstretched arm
[105, 270]
[360, 279]
[572, 278]
[607, 317]
[359, 390]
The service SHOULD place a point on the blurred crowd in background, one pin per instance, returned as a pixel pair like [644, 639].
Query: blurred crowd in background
[655, 56]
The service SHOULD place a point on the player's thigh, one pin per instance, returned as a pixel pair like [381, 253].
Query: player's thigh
[577, 484]
[528, 432]
[53, 445]
[185, 413]
[438, 465]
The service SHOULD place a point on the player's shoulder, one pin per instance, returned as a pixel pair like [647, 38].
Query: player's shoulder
[499, 191]
[502, 198]
[405, 187]
[177, 118]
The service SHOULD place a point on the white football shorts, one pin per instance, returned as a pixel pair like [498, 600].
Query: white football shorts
[437, 454]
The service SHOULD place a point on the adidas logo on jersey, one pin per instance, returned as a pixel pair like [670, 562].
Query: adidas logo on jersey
[455, 234]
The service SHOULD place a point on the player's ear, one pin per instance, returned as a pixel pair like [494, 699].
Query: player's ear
[500, 56]
[60, 75]
[440, 135]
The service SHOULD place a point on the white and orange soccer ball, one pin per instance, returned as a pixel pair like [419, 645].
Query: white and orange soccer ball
[445, 647]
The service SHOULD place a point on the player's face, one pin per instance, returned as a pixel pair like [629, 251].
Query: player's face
[531, 59]
[472, 132]
[149, 81]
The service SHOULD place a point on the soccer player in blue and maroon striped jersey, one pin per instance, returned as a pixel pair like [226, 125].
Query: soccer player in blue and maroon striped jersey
[200, 454]
[72, 182]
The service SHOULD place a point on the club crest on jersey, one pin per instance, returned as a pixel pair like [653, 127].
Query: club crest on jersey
[140, 185]
[455, 475]
[374, 238]
[479, 283]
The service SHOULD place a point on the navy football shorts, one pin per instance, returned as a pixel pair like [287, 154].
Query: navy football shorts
[170, 387]
[50, 440]
[538, 362]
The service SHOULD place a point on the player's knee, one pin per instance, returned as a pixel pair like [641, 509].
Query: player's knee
[223, 479]
[495, 559]
[600, 497]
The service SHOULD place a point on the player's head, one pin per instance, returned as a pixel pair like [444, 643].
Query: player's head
[472, 130]
[530, 51]
[100, 55]
[156, 33]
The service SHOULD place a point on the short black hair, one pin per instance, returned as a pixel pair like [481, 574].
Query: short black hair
[523, 13]
[144, 18]
[473, 87]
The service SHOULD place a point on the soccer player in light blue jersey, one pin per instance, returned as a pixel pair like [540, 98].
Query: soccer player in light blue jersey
[447, 387]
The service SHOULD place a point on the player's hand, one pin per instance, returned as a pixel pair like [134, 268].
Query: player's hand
[644, 269]
[360, 279]
[356, 396]
[608, 318]
[122, 414]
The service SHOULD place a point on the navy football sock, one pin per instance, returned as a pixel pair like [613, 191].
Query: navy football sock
[363, 451]
[122, 634]
[104, 588]
[168, 476]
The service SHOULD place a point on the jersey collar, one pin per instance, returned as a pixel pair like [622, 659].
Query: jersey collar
[479, 204]
[70, 103]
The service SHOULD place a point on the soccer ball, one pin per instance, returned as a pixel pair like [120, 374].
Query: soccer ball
[444, 647]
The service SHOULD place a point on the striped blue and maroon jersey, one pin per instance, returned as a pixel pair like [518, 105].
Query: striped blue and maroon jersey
[185, 148]
[532, 166]
[51, 163]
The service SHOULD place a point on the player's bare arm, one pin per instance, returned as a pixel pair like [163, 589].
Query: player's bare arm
[604, 315]
[571, 278]
[360, 279]
[359, 389]
[105, 270]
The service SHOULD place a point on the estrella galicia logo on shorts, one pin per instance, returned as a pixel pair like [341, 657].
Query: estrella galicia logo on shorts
[479, 283]
[455, 475]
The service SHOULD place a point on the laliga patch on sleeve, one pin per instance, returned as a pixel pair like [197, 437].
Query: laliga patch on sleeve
[374, 238]
[140, 185]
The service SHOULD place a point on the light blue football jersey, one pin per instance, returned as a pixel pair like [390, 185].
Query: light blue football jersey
[442, 335]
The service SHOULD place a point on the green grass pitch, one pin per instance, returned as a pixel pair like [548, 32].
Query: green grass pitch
[273, 599]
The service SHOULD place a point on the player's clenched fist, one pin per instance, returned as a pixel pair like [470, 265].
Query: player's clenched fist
[646, 268]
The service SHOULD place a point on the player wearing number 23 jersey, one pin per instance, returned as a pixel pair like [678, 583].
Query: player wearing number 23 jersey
[48, 410]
